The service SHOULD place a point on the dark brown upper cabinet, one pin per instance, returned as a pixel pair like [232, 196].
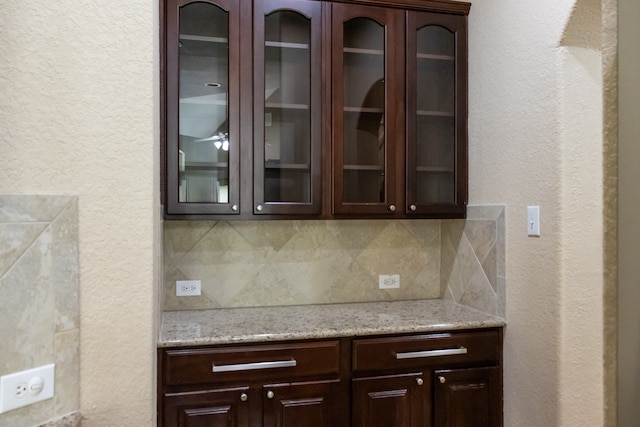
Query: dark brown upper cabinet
[203, 107]
[243, 108]
[368, 112]
[287, 107]
[436, 115]
[314, 109]
[399, 113]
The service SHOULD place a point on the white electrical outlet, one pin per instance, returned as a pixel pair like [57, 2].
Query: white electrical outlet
[389, 281]
[26, 387]
[188, 288]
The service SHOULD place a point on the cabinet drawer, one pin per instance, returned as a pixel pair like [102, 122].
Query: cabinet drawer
[248, 363]
[372, 354]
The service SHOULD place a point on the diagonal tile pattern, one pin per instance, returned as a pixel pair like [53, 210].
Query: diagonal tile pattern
[264, 263]
[15, 239]
[39, 310]
[271, 263]
[472, 271]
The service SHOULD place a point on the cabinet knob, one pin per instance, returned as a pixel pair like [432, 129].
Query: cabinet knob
[244, 397]
[412, 207]
[270, 394]
[442, 380]
[392, 208]
[259, 208]
[234, 208]
[419, 381]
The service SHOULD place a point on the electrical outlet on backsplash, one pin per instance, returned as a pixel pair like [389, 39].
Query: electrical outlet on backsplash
[40, 281]
[270, 263]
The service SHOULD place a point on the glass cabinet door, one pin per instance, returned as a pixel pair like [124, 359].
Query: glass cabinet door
[287, 84]
[202, 108]
[366, 101]
[436, 109]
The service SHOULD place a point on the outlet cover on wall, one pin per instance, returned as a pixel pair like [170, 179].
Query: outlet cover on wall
[389, 281]
[26, 387]
[188, 288]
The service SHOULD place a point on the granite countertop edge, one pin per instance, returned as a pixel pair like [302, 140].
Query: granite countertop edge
[323, 321]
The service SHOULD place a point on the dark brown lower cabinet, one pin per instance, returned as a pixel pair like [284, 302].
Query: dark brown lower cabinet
[394, 400]
[465, 397]
[451, 398]
[291, 384]
[309, 404]
[444, 379]
[226, 407]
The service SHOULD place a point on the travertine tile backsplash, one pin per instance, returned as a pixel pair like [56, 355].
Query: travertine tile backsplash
[473, 259]
[263, 263]
[269, 263]
[39, 313]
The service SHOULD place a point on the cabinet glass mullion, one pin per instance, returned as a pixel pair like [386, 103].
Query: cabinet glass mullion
[287, 104]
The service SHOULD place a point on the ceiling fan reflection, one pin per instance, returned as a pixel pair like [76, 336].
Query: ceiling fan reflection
[220, 140]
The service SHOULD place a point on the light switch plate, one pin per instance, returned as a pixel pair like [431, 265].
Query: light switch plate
[26, 387]
[533, 221]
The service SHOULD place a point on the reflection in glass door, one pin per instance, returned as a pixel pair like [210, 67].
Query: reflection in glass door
[287, 105]
[203, 156]
[367, 104]
[435, 167]
[364, 111]
[287, 124]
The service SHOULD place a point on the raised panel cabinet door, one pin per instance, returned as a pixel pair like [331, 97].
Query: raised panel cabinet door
[401, 400]
[368, 111]
[212, 408]
[308, 404]
[468, 397]
[287, 107]
[203, 102]
[436, 75]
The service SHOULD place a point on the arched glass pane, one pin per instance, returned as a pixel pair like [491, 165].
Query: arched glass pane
[364, 111]
[203, 119]
[435, 115]
[287, 124]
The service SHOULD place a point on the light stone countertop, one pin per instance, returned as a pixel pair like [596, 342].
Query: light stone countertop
[262, 324]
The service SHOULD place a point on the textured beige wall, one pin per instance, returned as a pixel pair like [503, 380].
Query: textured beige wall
[78, 113]
[526, 148]
[582, 350]
[610, 206]
[581, 116]
[629, 211]
[78, 117]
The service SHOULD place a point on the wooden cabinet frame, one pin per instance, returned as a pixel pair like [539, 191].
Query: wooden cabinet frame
[342, 382]
[246, 120]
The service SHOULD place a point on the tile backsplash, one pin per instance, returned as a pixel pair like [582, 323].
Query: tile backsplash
[270, 263]
[265, 263]
[472, 269]
[39, 310]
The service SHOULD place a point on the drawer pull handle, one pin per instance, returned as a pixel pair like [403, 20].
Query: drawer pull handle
[254, 366]
[431, 353]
